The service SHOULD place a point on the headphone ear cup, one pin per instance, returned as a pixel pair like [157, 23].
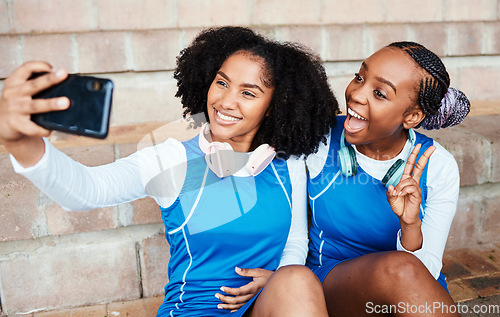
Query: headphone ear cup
[393, 175]
[221, 159]
[260, 159]
[347, 161]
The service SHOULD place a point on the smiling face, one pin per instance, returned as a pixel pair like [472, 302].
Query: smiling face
[237, 100]
[378, 100]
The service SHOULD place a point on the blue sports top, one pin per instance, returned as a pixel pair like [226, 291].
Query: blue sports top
[217, 224]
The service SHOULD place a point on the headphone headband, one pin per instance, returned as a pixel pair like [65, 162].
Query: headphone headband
[222, 160]
[348, 163]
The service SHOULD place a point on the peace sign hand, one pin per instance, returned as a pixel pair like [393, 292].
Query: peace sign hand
[406, 197]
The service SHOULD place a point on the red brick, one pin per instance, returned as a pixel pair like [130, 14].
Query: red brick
[491, 222]
[203, 13]
[474, 75]
[430, 35]
[310, 36]
[155, 50]
[66, 276]
[490, 254]
[189, 35]
[19, 215]
[144, 307]
[472, 156]
[54, 313]
[464, 10]
[101, 52]
[5, 17]
[127, 149]
[52, 16]
[345, 42]
[384, 34]
[62, 222]
[492, 29]
[453, 270]
[466, 226]
[132, 15]
[89, 311]
[7, 173]
[487, 126]
[485, 286]
[461, 292]
[93, 155]
[286, 12]
[465, 38]
[146, 211]
[154, 256]
[472, 261]
[53, 48]
[353, 12]
[414, 11]
[145, 97]
[11, 53]
[339, 84]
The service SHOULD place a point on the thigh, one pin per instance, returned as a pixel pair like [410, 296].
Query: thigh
[354, 287]
[291, 291]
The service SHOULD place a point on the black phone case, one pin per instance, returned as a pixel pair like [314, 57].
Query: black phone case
[90, 107]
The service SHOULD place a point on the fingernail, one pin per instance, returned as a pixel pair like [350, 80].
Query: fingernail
[60, 73]
[394, 193]
[238, 269]
[62, 102]
[219, 306]
[217, 296]
[222, 289]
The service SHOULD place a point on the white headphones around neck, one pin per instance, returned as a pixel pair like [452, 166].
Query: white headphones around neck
[349, 165]
[222, 160]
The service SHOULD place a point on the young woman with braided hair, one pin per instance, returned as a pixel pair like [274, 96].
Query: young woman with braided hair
[371, 259]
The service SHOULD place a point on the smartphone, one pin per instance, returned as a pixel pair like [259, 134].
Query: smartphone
[90, 106]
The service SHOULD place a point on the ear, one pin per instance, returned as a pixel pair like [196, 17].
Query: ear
[413, 117]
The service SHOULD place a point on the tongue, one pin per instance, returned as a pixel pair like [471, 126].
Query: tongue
[357, 124]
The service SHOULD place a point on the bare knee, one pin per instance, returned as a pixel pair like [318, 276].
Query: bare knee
[297, 277]
[399, 268]
[292, 290]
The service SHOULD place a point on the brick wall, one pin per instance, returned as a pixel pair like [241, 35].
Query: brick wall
[51, 259]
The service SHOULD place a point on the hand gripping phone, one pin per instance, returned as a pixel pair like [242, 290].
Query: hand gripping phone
[90, 106]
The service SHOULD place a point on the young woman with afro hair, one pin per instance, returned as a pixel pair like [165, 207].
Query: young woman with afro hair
[233, 198]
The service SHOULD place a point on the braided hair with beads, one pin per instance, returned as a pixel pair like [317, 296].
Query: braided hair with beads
[443, 106]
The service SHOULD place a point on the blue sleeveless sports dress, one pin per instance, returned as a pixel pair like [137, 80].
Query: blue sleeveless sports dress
[218, 224]
[350, 215]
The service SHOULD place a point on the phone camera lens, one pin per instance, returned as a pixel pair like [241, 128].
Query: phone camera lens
[94, 85]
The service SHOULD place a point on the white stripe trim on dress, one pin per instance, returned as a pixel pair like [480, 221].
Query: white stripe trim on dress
[185, 272]
[194, 205]
[282, 186]
[328, 186]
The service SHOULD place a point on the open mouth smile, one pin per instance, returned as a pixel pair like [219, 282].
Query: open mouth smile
[355, 114]
[226, 117]
[354, 122]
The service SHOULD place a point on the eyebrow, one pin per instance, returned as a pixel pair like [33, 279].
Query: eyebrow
[381, 79]
[246, 85]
